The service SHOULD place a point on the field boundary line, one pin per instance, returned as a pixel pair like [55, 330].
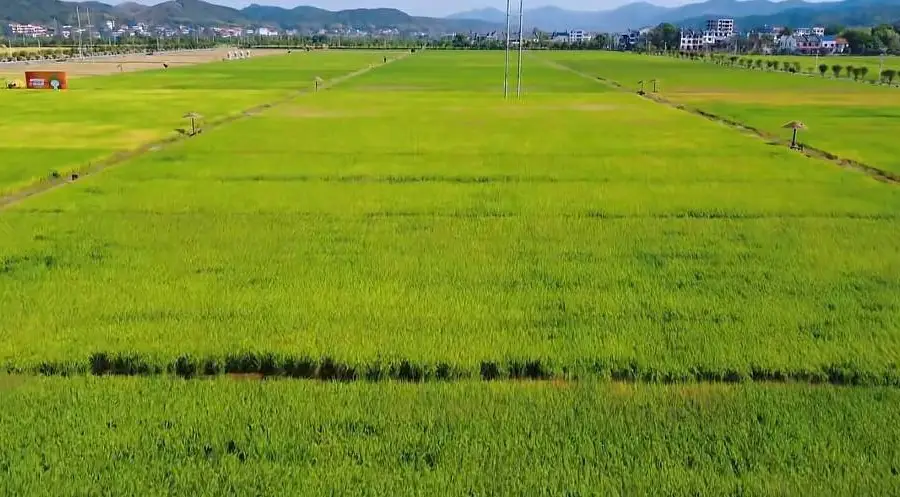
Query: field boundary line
[809, 151]
[118, 158]
[326, 368]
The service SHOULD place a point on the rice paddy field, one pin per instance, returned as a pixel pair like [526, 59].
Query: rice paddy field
[850, 119]
[47, 132]
[405, 285]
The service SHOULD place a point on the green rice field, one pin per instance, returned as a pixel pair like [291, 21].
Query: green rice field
[45, 132]
[850, 119]
[405, 285]
[127, 436]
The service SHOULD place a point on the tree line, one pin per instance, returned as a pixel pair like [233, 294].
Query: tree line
[837, 71]
[65, 49]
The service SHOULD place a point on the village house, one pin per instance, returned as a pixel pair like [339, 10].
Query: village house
[691, 41]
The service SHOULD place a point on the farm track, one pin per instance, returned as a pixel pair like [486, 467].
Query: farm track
[811, 152]
[119, 158]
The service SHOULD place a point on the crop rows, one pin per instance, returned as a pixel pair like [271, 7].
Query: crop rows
[48, 134]
[683, 295]
[149, 436]
[353, 235]
[852, 121]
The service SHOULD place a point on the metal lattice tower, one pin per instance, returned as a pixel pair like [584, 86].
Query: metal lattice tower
[520, 45]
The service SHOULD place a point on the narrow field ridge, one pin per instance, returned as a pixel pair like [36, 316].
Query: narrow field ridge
[811, 152]
[157, 145]
[263, 364]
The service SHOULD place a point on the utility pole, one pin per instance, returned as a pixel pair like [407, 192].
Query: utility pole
[80, 40]
[506, 65]
[521, 48]
[90, 27]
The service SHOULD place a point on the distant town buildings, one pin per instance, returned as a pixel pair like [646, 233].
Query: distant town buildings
[717, 31]
[811, 44]
[579, 36]
[720, 28]
[28, 30]
[692, 41]
[571, 36]
[720, 32]
[629, 39]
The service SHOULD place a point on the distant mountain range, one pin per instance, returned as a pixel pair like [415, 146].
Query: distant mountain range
[198, 12]
[747, 14]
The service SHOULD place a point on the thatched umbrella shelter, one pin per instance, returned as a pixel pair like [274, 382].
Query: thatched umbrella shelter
[194, 117]
[794, 125]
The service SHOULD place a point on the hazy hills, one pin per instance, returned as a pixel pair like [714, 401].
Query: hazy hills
[747, 13]
[198, 12]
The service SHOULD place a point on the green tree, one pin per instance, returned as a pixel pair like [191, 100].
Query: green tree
[823, 68]
[665, 36]
[796, 67]
[857, 72]
[885, 38]
[833, 29]
[603, 41]
[775, 64]
[759, 63]
[860, 40]
[849, 70]
[836, 69]
[863, 71]
[888, 75]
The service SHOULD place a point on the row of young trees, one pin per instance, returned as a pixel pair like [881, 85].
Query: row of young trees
[534, 40]
[856, 73]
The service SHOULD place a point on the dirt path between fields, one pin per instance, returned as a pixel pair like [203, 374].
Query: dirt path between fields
[811, 152]
[154, 146]
[99, 66]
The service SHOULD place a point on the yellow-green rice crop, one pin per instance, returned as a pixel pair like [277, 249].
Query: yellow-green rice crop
[46, 133]
[848, 119]
[107, 436]
[373, 231]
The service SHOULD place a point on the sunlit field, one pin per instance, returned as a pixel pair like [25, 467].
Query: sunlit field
[405, 285]
[850, 119]
[48, 132]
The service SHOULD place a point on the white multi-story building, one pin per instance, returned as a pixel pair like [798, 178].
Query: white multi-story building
[691, 41]
[27, 30]
[579, 36]
[721, 29]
